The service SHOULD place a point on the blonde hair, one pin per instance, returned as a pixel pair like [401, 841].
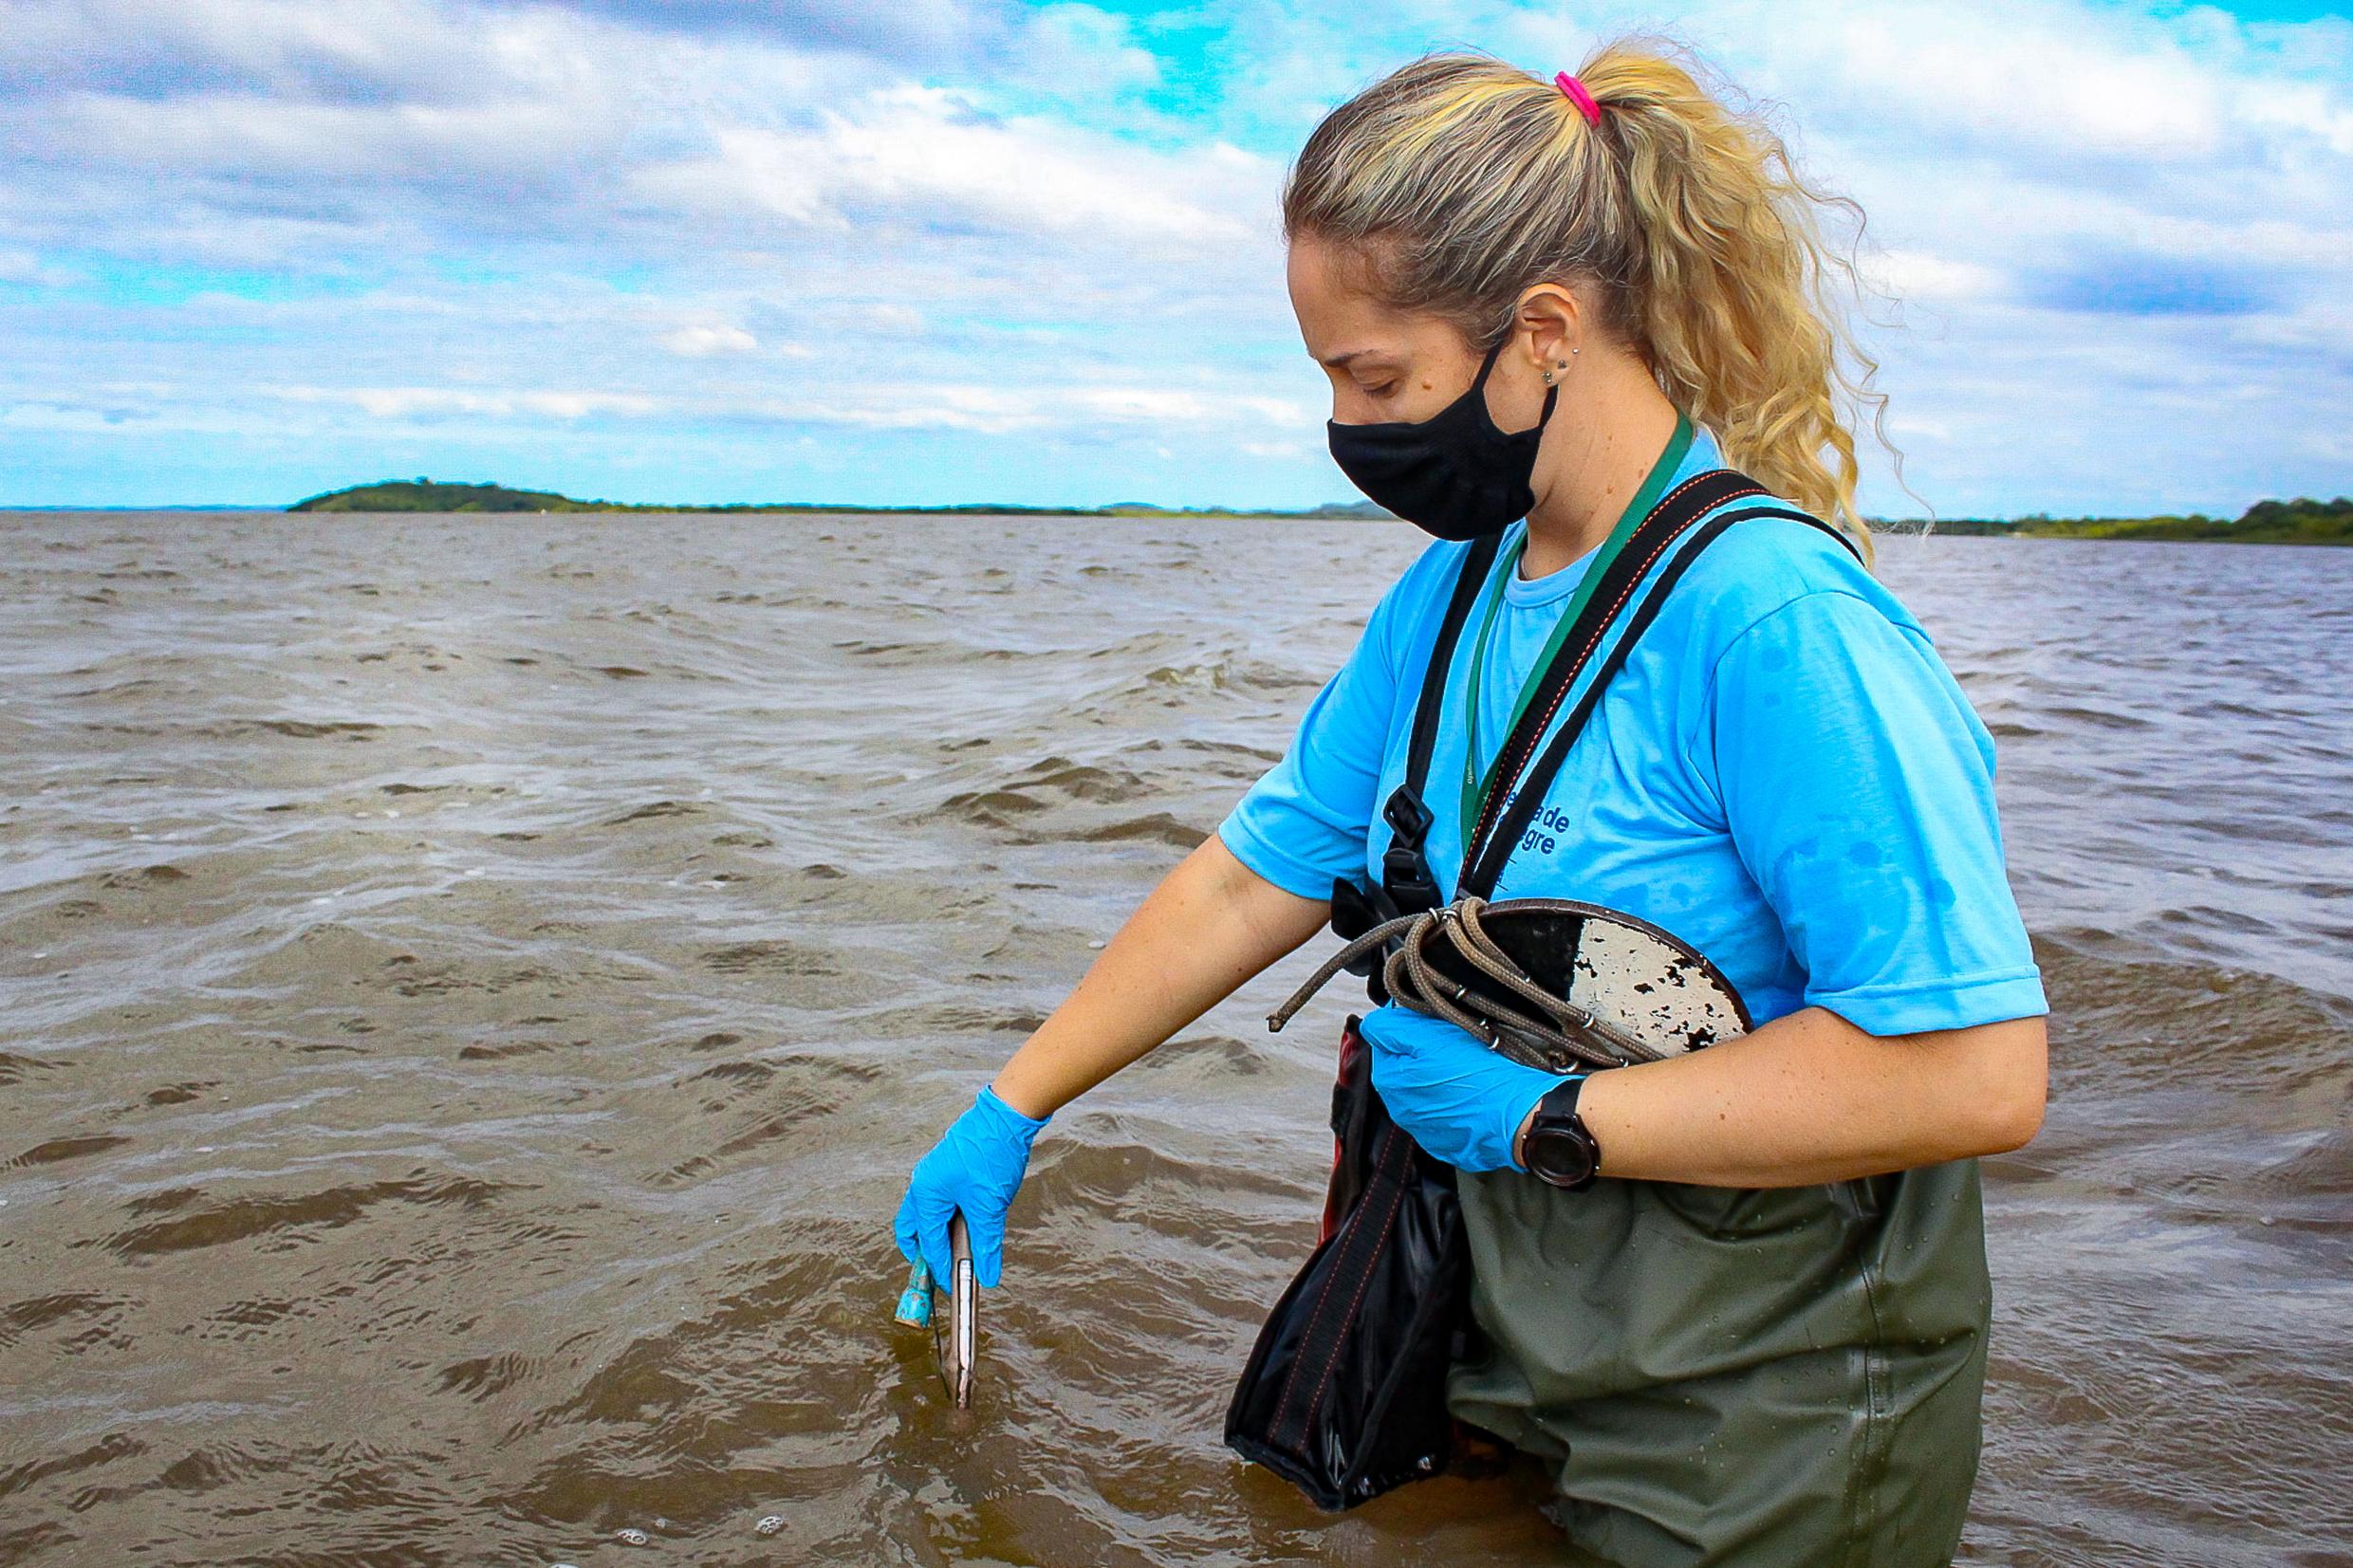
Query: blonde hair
[1459, 179]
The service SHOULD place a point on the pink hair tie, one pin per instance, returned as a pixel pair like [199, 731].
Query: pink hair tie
[1575, 92]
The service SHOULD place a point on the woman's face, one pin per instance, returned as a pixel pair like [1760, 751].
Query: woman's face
[1387, 365]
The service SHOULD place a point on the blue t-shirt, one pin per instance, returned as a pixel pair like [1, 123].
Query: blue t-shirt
[1784, 774]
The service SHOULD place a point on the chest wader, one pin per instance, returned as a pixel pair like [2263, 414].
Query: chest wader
[1742, 1376]
[1718, 1376]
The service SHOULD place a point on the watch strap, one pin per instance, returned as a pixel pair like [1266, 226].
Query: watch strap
[1556, 1114]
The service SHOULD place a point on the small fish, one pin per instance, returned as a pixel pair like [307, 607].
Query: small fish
[962, 1346]
[963, 1299]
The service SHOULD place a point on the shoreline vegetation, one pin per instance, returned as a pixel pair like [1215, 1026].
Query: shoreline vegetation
[425, 495]
[2298, 522]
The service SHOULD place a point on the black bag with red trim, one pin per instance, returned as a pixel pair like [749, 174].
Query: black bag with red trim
[1344, 1394]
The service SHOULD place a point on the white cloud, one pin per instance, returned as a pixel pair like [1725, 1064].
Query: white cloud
[894, 317]
[1160, 405]
[1019, 224]
[2011, 73]
[698, 342]
[1919, 275]
[394, 124]
[24, 266]
[252, 135]
[927, 154]
[913, 405]
[406, 402]
[1078, 52]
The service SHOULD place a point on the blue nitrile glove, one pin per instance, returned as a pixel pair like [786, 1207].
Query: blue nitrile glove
[1461, 1101]
[976, 1166]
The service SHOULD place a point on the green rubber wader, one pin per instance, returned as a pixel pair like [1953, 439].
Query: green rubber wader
[1736, 1376]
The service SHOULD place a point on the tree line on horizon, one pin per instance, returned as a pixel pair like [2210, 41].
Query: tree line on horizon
[2303, 520]
[428, 495]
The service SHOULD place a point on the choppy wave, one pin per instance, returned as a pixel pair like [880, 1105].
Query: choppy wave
[471, 989]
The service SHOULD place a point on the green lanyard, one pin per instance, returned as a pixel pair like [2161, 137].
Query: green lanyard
[1475, 785]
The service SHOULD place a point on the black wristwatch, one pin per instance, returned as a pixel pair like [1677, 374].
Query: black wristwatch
[1557, 1147]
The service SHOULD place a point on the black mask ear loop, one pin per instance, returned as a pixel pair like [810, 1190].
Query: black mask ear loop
[1552, 393]
[1489, 364]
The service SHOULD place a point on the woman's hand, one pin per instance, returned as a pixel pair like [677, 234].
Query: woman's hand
[976, 1166]
[1460, 1100]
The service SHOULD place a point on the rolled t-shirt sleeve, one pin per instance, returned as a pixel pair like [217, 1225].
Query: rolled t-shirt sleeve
[1308, 817]
[1858, 788]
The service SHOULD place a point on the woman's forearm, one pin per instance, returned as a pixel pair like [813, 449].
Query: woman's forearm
[1212, 924]
[1810, 1098]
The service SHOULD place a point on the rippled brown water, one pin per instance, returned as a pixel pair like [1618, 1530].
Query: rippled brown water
[473, 987]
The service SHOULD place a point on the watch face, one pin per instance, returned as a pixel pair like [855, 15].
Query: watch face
[1558, 1155]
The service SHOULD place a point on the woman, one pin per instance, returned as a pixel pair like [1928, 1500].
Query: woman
[1759, 1336]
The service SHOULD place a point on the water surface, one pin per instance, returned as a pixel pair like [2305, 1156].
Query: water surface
[471, 989]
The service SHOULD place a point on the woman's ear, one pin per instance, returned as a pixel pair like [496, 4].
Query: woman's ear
[1554, 317]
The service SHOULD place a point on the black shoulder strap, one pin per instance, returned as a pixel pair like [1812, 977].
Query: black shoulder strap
[1404, 870]
[1486, 856]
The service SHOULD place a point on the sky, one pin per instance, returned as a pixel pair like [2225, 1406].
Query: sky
[959, 250]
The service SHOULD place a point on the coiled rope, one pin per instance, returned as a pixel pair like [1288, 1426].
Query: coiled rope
[1561, 1035]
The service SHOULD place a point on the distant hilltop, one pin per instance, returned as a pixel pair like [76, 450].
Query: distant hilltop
[428, 495]
[425, 495]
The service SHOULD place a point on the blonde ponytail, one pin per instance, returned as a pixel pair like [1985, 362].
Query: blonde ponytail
[1460, 179]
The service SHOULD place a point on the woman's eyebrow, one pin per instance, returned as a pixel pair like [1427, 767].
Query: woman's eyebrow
[1339, 362]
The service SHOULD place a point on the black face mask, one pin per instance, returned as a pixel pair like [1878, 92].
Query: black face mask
[1454, 474]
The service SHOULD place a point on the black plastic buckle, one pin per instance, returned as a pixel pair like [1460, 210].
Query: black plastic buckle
[1406, 877]
[1404, 867]
[1409, 819]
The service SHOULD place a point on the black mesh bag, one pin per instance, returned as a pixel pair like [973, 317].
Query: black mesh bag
[1345, 1392]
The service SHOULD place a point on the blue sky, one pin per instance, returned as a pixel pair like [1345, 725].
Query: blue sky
[951, 250]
